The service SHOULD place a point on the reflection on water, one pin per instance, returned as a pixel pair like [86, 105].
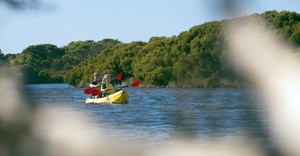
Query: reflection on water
[156, 114]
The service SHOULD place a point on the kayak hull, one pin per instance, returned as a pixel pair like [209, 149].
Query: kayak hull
[120, 97]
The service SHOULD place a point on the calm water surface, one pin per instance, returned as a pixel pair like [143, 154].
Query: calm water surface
[160, 113]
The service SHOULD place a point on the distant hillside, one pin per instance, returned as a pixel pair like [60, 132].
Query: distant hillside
[194, 58]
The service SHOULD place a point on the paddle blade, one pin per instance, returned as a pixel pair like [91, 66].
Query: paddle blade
[135, 84]
[95, 92]
[88, 91]
[118, 77]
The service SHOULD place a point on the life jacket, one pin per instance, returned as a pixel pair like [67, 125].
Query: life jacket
[98, 88]
[96, 82]
[110, 89]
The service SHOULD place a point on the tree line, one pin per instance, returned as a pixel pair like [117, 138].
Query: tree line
[194, 58]
[47, 63]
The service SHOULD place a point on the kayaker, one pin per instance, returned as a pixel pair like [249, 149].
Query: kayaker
[106, 87]
[96, 82]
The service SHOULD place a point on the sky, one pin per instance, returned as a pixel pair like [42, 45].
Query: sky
[60, 22]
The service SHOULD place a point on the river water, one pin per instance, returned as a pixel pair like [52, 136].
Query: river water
[157, 114]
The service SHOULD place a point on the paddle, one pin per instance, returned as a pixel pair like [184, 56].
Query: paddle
[133, 84]
[88, 91]
[118, 77]
[95, 92]
[92, 91]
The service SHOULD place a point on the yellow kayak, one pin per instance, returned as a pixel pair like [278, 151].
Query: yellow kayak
[119, 97]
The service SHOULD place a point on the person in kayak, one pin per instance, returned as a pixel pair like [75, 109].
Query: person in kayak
[95, 83]
[107, 87]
